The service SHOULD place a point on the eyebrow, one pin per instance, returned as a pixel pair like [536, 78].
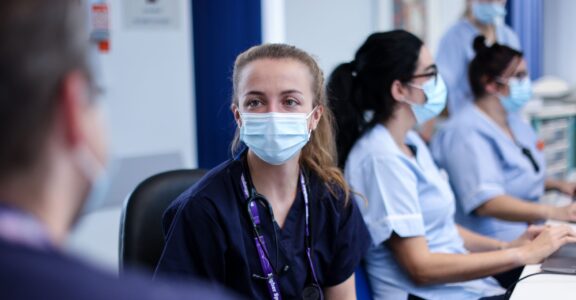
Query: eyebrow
[259, 93]
[432, 67]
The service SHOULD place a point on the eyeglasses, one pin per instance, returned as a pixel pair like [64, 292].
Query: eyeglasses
[432, 74]
[519, 76]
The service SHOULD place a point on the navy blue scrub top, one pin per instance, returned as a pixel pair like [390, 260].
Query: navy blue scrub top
[48, 274]
[211, 237]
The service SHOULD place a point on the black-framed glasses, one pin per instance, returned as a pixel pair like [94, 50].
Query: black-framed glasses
[431, 74]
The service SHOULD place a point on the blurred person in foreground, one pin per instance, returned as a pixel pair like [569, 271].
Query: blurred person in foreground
[52, 156]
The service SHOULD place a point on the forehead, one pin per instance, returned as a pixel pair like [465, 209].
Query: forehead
[490, 1]
[284, 72]
[516, 65]
[424, 58]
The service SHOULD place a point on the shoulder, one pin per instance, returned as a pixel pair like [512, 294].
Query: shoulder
[510, 37]
[328, 198]
[211, 197]
[219, 184]
[374, 143]
[467, 120]
[463, 127]
[23, 267]
[460, 34]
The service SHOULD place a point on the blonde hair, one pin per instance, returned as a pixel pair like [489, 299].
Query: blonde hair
[319, 154]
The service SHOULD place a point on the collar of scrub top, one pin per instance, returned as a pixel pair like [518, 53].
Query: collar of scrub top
[19, 227]
[525, 150]
[312, 291]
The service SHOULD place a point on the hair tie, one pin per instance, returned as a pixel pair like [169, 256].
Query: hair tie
[353, 66]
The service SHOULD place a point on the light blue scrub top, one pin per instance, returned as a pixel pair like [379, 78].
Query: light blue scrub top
[455, 53]
[409, 197]
[483, 162]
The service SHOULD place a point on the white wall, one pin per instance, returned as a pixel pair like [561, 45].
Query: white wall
[149, 93]
[333, 30]
[147, 76]
[441, 15]
[560, 39]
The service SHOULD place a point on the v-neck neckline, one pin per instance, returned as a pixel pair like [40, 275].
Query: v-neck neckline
[497, 128]
[294, 212]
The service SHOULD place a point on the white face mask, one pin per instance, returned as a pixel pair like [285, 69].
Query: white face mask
[275, 137]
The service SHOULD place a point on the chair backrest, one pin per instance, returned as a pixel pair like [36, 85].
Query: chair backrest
[363, 289]
[141, 232]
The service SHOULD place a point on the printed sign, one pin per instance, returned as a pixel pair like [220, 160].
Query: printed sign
[151, 14]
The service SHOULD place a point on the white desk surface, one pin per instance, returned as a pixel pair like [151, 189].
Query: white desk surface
[545, 286]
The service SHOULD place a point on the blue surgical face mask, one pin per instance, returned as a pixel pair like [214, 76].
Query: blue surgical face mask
[520, 91]
[488, 12]
[275, 137]
[435, 92]
[98, 176]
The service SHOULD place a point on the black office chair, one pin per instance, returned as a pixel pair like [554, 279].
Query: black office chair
[141, 234]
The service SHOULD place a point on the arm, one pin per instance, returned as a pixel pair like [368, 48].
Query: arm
[343, 291]
[508, 208]
[566, 187]
[425, 267]
[474, 242]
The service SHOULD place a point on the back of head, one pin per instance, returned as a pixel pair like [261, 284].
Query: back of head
[363, 87]
[41, 41]
[488, 64]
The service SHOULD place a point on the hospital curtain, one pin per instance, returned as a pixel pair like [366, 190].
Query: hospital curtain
[526, 18]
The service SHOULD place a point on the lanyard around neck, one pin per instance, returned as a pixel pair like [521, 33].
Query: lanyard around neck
[271, 277]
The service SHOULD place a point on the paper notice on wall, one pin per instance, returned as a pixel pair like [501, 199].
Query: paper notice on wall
[151, 14]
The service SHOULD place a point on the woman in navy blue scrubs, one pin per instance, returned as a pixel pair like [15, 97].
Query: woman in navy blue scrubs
[277, 221]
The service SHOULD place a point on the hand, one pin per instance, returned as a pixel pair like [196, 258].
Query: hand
[529, 235]
[565, 187]
[547, 242]
[564, 213]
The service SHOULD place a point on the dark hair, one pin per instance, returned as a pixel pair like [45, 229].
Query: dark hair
[42, 41]
[490, 62]
[364, 85]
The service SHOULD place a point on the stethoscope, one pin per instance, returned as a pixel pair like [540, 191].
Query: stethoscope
[254, 199]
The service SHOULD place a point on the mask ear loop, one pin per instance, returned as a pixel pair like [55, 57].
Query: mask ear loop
[307, 117]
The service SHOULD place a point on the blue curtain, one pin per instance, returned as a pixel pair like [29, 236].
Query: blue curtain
[526, 18]
[222, 29]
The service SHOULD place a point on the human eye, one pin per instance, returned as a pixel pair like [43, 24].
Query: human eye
[291, 102]
[521, 75]
[253, 103]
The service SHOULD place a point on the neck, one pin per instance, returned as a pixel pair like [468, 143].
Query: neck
[487, 30]
[492, 107]
[47, 197]
[399, 124]
[276, 183]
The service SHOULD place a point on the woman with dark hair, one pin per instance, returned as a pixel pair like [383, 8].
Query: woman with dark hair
[391, 86]
[491, 155]
[277, 221]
